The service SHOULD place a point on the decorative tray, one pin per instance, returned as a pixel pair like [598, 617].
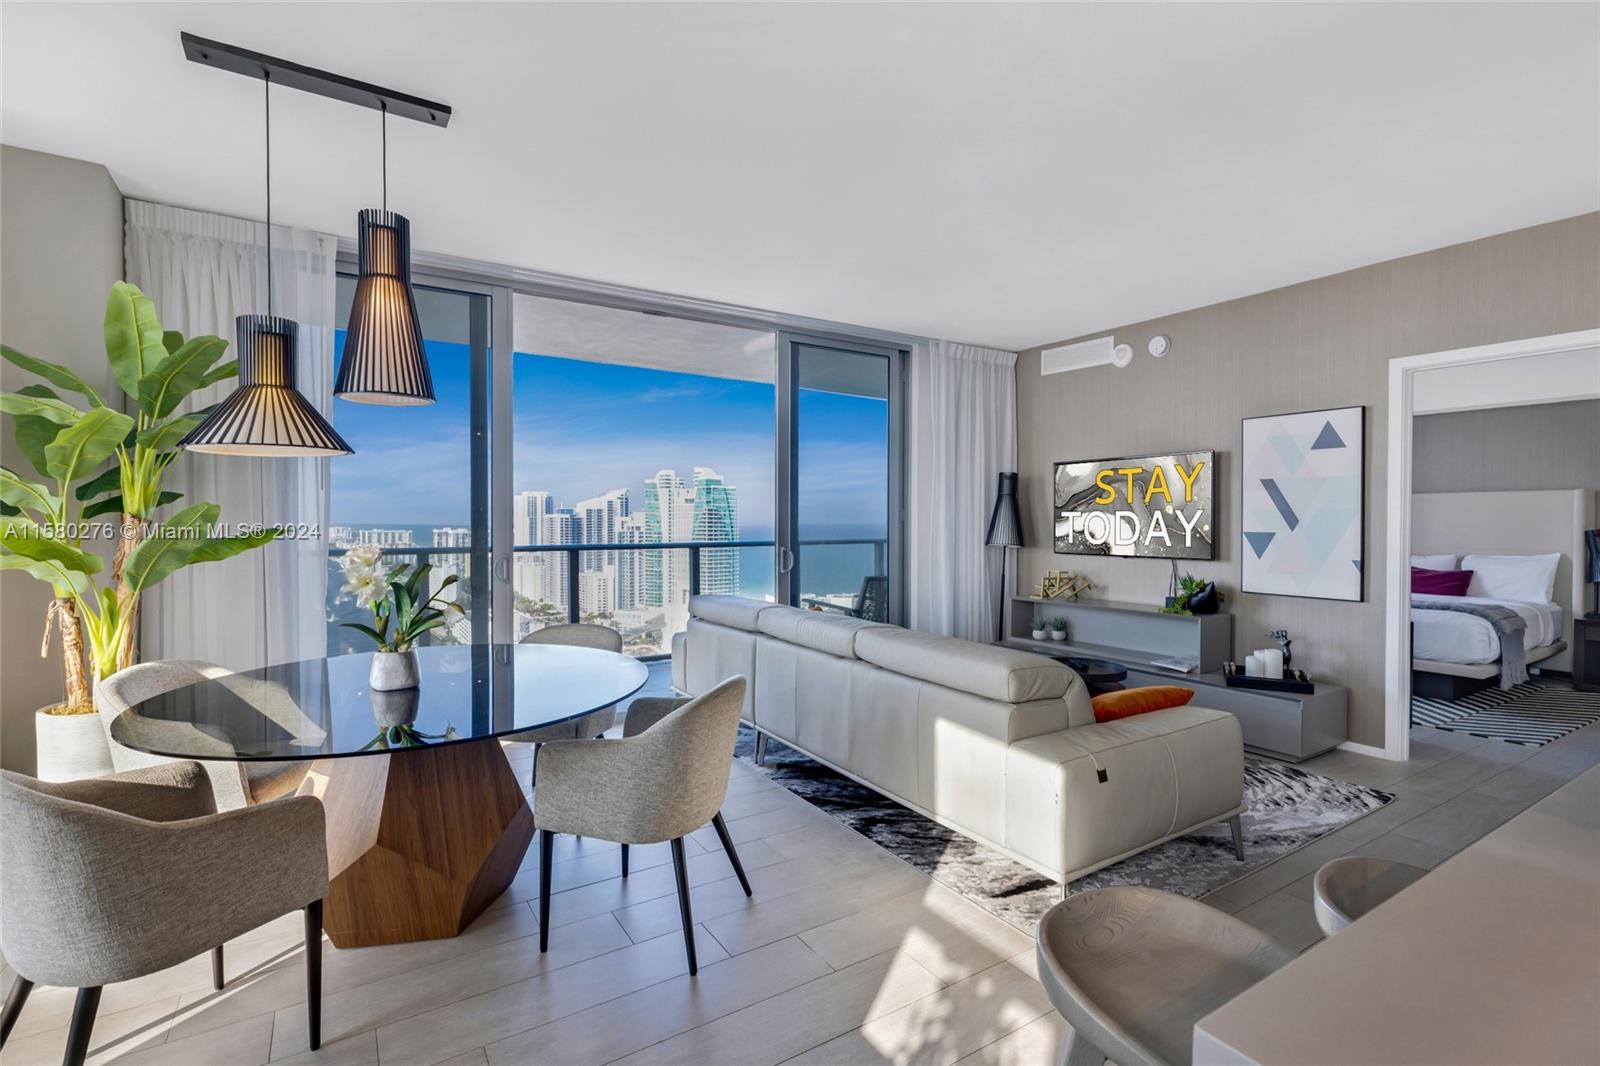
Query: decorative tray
[1292, 681]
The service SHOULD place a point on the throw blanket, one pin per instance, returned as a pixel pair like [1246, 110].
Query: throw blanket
[1509, 626]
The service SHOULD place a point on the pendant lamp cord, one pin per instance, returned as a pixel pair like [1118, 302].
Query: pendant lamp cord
[266, 92]
[383, 110]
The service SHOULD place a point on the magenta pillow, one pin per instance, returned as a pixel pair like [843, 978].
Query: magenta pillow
[1440, 582]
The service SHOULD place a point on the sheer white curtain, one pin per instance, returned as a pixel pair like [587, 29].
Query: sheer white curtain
[962, 434]
[264, 606]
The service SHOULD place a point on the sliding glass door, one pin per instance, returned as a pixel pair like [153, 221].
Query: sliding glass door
[839, 544]
[417, 486]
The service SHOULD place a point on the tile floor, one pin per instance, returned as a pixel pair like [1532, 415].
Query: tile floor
[845, 954]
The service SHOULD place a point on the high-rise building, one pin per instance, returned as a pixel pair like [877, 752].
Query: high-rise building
[385, 538]
[631, 564]
[561, 526]
[529, 510]
[668, 516]
[444, 565]
[716, 518]
[706, 509]
[600, 518]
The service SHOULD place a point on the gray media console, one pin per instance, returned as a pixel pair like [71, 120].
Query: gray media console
[1284, 725]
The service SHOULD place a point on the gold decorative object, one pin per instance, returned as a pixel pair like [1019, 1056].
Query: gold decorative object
[1062, 585]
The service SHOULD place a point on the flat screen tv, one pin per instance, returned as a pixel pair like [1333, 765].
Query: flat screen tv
[1156, 507]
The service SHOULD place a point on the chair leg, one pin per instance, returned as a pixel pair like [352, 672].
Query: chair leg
[1236, 823]
[83, 1012]
[1076, 1051]
[624, 860]
[217, 978]
[314, 973]
[533, 774]
[13, 1009]
[727, 845]
[681, 869]
[547, 850]
[761, 749]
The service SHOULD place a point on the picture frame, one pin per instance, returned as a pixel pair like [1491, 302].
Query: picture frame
[1302, 504]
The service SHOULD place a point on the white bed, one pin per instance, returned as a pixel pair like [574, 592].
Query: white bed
[1453, 652]
[1453, 637]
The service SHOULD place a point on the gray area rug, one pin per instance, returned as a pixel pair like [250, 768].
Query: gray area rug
[1288, 808]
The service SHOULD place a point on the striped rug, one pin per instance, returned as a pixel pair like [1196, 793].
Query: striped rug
[1531, 713]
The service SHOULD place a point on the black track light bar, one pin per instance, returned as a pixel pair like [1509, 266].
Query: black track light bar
[231, 57]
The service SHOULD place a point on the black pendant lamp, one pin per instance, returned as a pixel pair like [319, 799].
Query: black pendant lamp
[383, 360]
[266, 415]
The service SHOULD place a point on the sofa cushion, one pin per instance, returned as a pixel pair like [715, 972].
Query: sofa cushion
[832, 633]
[738, 612]
[1002, 674]
[1124, 703]
[1166, 772]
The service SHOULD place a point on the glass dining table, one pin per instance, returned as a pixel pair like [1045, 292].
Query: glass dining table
[426, 822]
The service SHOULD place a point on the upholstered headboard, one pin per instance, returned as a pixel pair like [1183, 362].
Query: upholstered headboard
[1520, 522]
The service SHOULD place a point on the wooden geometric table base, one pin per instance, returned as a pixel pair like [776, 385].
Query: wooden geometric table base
[420, 841]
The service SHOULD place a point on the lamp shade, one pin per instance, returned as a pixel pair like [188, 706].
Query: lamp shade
[1005, 524]
[383, 360]
[265, 415]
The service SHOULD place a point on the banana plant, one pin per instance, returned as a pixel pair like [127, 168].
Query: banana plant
[44, 527]
[102, 462]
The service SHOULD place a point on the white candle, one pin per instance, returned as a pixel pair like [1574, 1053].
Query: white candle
[1272, 662]
[1252, 665]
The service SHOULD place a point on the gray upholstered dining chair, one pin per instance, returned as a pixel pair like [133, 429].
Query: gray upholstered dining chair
[576, 635]
[646, 712]
[660, 785]
[112, 878]
[234, 784]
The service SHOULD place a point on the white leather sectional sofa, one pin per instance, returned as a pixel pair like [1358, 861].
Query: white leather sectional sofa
[998, 744]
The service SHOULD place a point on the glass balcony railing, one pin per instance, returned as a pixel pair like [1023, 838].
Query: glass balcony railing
[554, 584]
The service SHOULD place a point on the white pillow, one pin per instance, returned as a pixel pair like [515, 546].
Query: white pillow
[1435, 562]
[1524, 578]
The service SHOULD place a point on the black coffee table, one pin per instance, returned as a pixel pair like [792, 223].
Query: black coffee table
[1101, 675]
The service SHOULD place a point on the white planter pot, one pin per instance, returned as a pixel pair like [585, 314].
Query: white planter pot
[1058, 634]
[70, 746]
[1041, 634]
[393, 670]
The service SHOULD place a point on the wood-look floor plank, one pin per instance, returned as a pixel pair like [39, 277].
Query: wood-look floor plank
[505, 1011]
[404, 995]
[944, 931]
[940, 1027]
[662, 1011]
[782, 1026]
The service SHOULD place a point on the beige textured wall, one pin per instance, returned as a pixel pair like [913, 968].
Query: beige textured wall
[1323, 343]
[1537, 446]
[60, 250]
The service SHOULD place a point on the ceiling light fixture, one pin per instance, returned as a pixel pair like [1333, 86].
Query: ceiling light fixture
[384, 361]
[266, 415]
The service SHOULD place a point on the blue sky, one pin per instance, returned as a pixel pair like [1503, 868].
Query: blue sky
[583, 428]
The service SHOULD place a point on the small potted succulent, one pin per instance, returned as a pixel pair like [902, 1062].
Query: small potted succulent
[1058, 629]
[399, 615]
[1041, 629]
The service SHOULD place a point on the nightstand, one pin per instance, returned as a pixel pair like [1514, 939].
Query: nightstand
[1586, 654]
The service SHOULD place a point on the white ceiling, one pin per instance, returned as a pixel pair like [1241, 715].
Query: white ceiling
[1003, 174]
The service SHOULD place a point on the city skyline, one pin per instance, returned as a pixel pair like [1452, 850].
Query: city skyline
[581, 428]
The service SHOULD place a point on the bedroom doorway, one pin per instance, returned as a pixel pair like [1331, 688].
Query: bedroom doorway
[1470, 498]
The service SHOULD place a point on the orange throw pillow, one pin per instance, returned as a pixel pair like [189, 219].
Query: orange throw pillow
[1109, 706]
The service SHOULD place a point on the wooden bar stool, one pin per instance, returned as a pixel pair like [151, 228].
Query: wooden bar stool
[1132, 969]
[1347, 888]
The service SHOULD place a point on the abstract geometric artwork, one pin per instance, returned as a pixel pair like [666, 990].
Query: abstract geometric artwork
[1302, 508]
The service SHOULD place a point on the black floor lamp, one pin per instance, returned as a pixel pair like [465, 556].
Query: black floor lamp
[1005, 531]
